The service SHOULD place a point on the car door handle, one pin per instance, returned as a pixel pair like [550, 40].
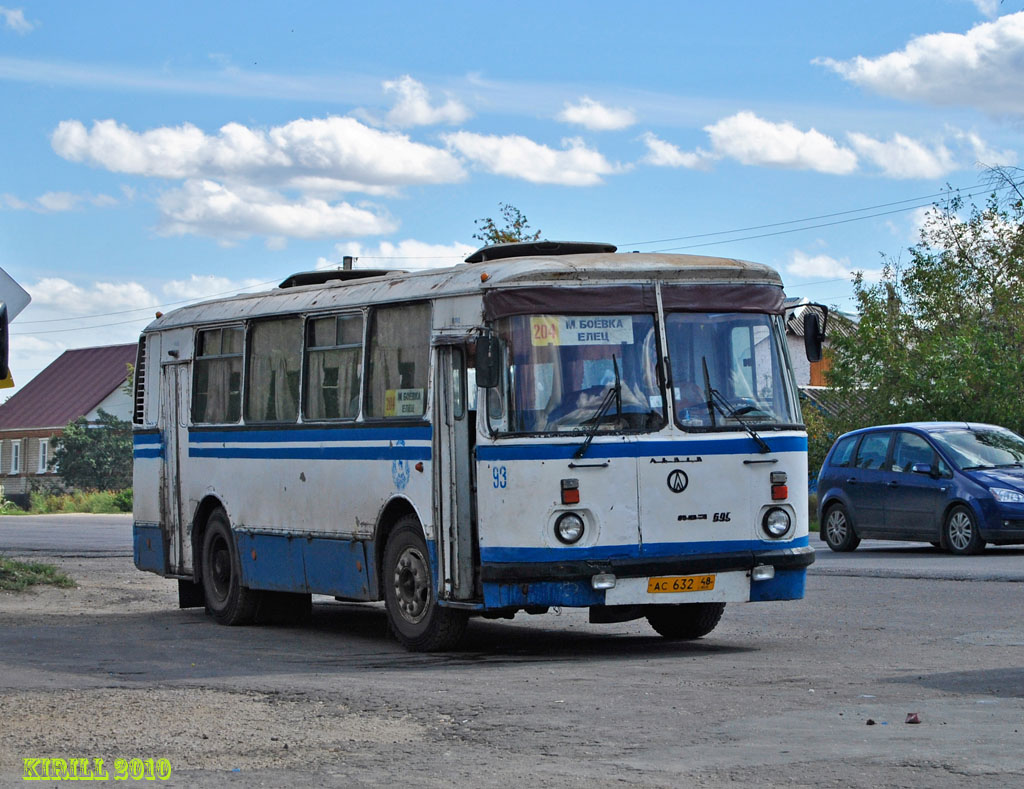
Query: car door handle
[851, 481]
[893, 483]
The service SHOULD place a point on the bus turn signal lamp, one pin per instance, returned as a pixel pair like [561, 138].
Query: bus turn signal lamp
[780, 491]
[570, 491]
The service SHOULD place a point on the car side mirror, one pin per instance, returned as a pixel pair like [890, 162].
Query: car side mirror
[488, 361]
[814, 336]
[923, 468]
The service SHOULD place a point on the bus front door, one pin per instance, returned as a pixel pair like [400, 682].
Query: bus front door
[453, 494]
[173, 407]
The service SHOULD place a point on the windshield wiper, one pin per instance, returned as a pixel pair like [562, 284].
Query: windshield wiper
[612, 395]
[727, 410]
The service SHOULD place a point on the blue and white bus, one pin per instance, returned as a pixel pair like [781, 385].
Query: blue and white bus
[548, 424]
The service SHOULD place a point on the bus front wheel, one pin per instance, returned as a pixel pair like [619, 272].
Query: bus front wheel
[227, 601]
[414, 616]
[687, 621]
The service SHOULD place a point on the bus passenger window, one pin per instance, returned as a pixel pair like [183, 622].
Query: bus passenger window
[398, 362]
[334, 358]
[275, 353]
[217, 383]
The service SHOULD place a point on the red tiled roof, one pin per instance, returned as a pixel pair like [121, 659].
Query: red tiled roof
[75, 383]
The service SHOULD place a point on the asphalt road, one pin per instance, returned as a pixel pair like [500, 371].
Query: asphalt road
[66, 535]
[806, 693]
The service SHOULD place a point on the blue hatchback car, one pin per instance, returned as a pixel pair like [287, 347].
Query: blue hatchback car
[957, 485]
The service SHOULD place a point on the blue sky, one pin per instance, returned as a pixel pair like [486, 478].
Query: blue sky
[155, 153]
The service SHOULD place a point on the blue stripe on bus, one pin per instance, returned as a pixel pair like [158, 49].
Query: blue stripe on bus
[290, 435]
[313, 453]
[640, 449]
[147, 445]
[498, 555]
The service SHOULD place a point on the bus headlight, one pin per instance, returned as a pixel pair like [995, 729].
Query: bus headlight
[569, 528]
[776, 522]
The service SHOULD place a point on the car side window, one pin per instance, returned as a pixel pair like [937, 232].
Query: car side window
[873, 450]
[909, 449]
[842, 455]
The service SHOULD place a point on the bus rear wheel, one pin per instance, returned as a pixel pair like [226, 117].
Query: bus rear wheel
[686, 621]
[415, 618]
[227, 601]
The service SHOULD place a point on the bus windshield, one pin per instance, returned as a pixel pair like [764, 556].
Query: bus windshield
[562, 368]
[728, 369]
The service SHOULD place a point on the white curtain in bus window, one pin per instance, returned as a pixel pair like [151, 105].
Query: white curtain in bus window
[275, 354]
[334, 352]
[217, 383]
[399, 361]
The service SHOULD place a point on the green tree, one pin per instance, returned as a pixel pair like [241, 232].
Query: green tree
[95, 457]
[516, 227]
[941, 336]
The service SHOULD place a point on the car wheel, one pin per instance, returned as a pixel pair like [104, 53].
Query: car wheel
[838, 531]
[684, 622]
[227, 601]
[414, 616]
[960, 532]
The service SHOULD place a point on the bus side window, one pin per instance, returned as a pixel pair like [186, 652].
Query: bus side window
[398, 361]
[275, 354]
[217, 385]
[334, 358]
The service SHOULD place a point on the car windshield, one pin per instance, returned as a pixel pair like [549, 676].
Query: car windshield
[729, 369]
[982, 448]
[562, 368]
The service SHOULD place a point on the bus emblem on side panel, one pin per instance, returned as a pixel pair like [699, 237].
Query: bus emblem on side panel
[677, 481]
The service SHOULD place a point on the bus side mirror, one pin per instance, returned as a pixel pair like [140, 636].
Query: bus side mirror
[814, 335]
[488, 361]
[4, 372]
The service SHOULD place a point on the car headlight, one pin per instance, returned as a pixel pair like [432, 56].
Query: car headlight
[569, 528]
[1007, 496]
[776, 522]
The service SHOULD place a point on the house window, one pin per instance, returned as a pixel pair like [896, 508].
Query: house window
[44, 455]
[15, 457]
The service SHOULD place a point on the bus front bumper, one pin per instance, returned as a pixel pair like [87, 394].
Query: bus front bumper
[739, 576]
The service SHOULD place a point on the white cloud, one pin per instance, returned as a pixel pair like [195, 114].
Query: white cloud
[826, 267]
[989, 8]
[902, 157]
[207, 286]
[752, 140]
[407, 255]
[207, 208]
[597, 117]
[413, 106]
[99, 297]
[982, 152]
[982, 68]
[519, 157]
[665, 154]
[14, 18]
[56, 202]
[338, 148]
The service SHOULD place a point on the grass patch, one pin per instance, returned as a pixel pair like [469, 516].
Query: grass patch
[17, 576]
[812, 507]
[99, 502]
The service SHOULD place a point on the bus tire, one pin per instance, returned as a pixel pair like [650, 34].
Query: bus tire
[414, 617]
[686, 621]
[227, 601]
